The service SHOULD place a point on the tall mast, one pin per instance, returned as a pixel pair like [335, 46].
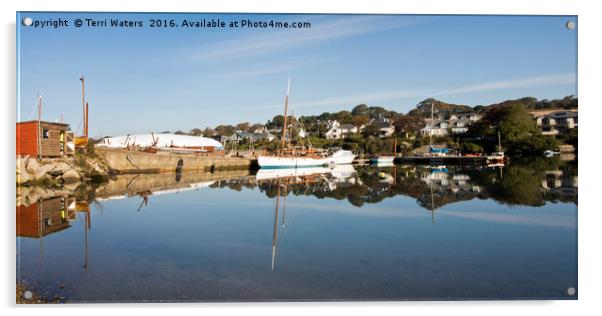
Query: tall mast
[39, 108]
[499, 141]
[39, 126]
[83, 95]
[432, 201]
[86, 121]
[432, 125]
[275, 236]
[288, 89]
[290, 130]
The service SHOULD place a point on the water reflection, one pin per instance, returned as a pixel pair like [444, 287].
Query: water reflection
[349, 190]
[41, 211]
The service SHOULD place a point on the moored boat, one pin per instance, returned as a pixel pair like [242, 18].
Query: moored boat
[497, 156]
[383, 160]
[289, 157]
[340, 157]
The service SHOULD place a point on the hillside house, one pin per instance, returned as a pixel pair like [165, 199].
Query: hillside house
[556, 122]
[339, 131]
[385, 129]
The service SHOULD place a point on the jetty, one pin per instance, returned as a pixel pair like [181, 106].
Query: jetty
[448, 160]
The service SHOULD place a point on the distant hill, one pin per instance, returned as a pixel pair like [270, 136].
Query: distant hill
[424, 108]
[529, 103]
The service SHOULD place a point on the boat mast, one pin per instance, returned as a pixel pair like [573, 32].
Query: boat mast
[288, 89]
[499, 141]
[432, 200]
[40, 130]
[86, 121]
[83, 98]
[432, 125]
[290, 131]
[275, 236]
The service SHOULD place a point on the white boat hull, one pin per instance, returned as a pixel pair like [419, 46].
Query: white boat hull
[340, 157]
[383, 160]
[337, 172]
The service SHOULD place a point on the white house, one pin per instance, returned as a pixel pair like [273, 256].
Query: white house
[439, 128]
[456, 123]
[556, 122]
[385, 129]
[338, 131]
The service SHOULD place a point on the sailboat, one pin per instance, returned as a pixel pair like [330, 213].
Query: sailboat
[290, 157]
[497, 156]
[433, 151]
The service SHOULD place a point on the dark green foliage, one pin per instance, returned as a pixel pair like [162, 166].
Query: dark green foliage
[518, 131]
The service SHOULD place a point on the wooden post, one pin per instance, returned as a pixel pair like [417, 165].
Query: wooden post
[86, 121]
[40, 131]
[83, 95]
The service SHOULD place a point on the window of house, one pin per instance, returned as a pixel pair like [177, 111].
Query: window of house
[45, 133]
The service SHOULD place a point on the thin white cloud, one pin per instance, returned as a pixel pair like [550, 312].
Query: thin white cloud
[540, 81]
[565, 221]
[274, 67]
[288, 39]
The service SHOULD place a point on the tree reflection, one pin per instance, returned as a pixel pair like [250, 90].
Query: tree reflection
[530, 183]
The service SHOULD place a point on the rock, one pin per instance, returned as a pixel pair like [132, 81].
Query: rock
[98, 170]
[43, 170]
[55, 172]
[22, 175]
[31, 165]
[63, 166]
[23, 178]
[70, 176]
[71, 186]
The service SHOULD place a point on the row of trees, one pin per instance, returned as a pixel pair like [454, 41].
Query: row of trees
[519, 132]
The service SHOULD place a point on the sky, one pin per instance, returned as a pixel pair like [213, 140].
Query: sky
[144, 79]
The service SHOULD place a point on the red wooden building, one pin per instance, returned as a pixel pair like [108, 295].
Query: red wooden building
[43, 139]
[43, 217]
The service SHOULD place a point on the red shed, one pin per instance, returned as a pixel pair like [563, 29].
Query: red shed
[44, 139]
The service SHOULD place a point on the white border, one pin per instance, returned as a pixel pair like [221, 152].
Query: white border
[589, 94]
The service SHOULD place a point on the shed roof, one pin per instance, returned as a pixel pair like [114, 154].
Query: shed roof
[44, 122]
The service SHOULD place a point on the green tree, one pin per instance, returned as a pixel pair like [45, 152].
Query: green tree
[243, 126]
[225, 130]
[208, 132]
[196, 132]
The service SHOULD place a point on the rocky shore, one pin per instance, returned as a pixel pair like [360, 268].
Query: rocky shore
[59, 171]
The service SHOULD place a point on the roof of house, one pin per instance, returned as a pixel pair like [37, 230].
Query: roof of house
[45, 122]
[346, 126]
[381, 124]
[561, 114]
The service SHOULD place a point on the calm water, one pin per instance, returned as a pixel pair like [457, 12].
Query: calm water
[368, 233]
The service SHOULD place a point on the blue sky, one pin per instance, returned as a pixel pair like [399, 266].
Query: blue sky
[146, 79]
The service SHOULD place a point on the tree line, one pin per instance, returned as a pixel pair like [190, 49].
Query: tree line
[511, 118]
